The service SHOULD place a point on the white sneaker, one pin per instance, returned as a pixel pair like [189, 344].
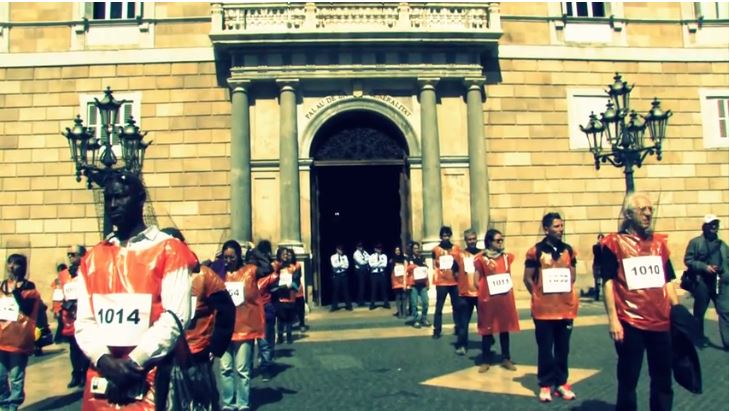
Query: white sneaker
[545, 394]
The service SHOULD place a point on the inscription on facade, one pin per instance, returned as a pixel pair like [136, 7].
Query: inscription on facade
[329, 100]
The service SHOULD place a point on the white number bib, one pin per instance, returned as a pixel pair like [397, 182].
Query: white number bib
[236, 291]
[468, 265]
[69, 290]
[9, 310]
[556, 280]
[499, 283]
[644, 272]
[445, 262]
[420, 273]
[399, 270]
[57, 294]
[122, 318]
[286, 279]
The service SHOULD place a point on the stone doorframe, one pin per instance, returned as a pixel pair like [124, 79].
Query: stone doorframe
[365, 104]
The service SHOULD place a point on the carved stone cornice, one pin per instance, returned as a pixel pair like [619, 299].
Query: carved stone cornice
[394, 71]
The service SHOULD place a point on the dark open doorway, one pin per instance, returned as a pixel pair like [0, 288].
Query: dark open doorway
[357, 203]
[360, 191]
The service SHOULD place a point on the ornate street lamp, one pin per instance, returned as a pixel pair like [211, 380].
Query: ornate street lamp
[624, 131]
[94, 156]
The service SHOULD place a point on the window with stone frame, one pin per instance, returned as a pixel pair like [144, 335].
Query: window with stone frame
[585, 22]
[715, 117]
[106, 24]
[712, 10]
[580, 104]
[114, 10]
[584, 9]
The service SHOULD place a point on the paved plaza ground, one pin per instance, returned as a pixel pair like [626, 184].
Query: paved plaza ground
[368, 360]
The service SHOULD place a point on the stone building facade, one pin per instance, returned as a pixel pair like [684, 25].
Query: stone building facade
[316, 123]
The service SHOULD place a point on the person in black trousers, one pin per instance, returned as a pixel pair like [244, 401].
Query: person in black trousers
[596, 249]
[638, 293]
[361, 270]
[378, 265]
[707, 259]
[340, 283]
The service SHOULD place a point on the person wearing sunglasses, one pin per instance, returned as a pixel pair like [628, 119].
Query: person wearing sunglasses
[496, 305]
[707, 259]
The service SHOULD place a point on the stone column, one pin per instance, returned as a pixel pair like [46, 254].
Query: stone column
[289, 165]
[478, 176]
[240, 165]
[430, 150]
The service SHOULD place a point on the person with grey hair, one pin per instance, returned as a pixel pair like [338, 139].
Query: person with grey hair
[637, 274]
[707, 259]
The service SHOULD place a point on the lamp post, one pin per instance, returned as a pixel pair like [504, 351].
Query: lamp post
[95, 157]
[624, 131]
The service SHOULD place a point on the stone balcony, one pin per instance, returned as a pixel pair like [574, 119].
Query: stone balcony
[351, 23]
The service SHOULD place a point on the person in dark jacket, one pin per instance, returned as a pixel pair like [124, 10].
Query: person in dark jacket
[707, 260]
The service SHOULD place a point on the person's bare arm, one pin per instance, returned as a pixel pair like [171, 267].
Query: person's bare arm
[614, 326]
[529, 278]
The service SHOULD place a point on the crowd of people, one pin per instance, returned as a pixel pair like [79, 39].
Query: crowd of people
[140, 303]
[631, 266]
[131, 304]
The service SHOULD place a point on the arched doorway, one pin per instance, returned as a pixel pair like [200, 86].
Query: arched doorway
[360, 189]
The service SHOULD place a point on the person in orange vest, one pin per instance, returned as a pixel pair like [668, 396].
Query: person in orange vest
[467, 291]
[19, 306]
[265, 268]
[549, 276]
[300, 306]
[68, 282]
[397, 278]
[289, 282]
[637, 273]
[212, 323]
[446, 256]
[496, 305]
[261, 257]
[417, 282]
[237, 361]
[132, 286]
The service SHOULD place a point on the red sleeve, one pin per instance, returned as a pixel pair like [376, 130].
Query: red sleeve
[268, 280]
[178, 255]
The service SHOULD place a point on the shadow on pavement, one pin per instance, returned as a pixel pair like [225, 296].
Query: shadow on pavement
[284, 352]
[593, 405]
[268, 395]
[530, 382]
[48, 353]
[54, 403]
